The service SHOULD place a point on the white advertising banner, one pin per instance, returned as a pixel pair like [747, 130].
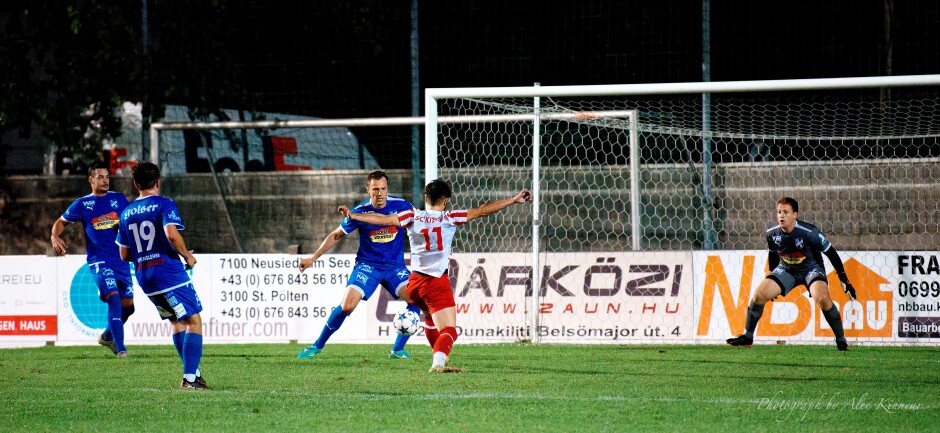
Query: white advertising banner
[616, 298]
[245, 298]
[27, 299]
[898, 299]
[265, 297]
[82, 315]
[585, 298]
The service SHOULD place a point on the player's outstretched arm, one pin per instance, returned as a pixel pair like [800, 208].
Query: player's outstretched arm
[58, 244]
[494, 206]
[371, 218]
[176, 239]
[328, 243]
[839, 267]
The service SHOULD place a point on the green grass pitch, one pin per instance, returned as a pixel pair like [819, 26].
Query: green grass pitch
[506, 388]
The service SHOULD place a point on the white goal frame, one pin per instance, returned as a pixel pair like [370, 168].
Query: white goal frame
[433, 120]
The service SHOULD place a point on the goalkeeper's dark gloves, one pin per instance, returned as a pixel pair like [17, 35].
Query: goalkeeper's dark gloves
[847, 286]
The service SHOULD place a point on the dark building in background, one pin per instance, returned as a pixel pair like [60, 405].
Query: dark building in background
[352, 59]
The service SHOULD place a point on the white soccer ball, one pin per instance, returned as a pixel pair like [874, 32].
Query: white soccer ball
[407, 322]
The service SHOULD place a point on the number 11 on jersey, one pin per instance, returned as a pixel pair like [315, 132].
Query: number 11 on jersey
[427, 238]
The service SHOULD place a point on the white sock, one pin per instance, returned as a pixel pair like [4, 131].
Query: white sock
[189, 377]
[440, 358]
[198, 373]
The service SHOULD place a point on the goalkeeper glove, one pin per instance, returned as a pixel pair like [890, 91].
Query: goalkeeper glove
[847, 287]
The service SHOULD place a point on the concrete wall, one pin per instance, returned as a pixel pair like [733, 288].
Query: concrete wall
[893, 205]
[268, 211]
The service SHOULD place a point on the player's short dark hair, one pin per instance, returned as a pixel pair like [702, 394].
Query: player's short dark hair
[376, 175]
[146, 175]
[97, 165]
[437, 190]
[790, 201]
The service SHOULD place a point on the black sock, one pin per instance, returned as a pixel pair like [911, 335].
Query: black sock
[754, 312]
[835, 322]
[126, 313]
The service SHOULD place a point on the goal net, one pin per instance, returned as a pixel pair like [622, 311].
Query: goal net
[667, 246]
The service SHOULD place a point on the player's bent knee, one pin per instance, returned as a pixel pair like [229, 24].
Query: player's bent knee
[193, 323]
[823, 301]
[351, 300]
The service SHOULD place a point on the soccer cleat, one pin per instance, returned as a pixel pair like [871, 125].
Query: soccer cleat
[309, 352]
[122, 354]
[194, 385]
[843, 346]
[442, 369]
[400, 354]
[107, 343]
[201, 381]
[741, 340]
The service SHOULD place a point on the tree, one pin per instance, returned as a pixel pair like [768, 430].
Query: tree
[69, 66]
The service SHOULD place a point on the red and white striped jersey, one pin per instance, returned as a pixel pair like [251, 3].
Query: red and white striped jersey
[431, 233]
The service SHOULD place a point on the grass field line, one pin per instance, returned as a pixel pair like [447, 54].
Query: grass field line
[888, 404]
[601, 398]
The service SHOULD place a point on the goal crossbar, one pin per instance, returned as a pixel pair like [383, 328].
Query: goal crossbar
[688, 87]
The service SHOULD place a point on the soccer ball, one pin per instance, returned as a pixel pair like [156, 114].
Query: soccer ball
[407, 322]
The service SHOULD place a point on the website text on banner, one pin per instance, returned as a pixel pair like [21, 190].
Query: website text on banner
[655, 297]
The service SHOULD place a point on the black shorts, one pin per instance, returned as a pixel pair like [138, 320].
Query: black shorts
[788, 280]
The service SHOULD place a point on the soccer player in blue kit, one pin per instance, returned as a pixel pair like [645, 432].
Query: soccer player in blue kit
[795, 258]
[380, 260]
[149, 238]
[98, 212]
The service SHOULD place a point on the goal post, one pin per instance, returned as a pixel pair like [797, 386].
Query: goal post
[168, 150]
[860, 153]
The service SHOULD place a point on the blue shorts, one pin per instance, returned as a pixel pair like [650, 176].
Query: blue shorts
[177, 304]
[365, 278]
[112, 277]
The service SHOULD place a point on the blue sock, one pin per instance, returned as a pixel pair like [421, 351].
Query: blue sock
[115, 325]
[192, 353]
[178, 339]
[337, 316]
[401, 340]
[107, 327]
[125, 314]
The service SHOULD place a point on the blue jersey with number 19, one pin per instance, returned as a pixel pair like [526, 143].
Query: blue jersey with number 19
[158, 265]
